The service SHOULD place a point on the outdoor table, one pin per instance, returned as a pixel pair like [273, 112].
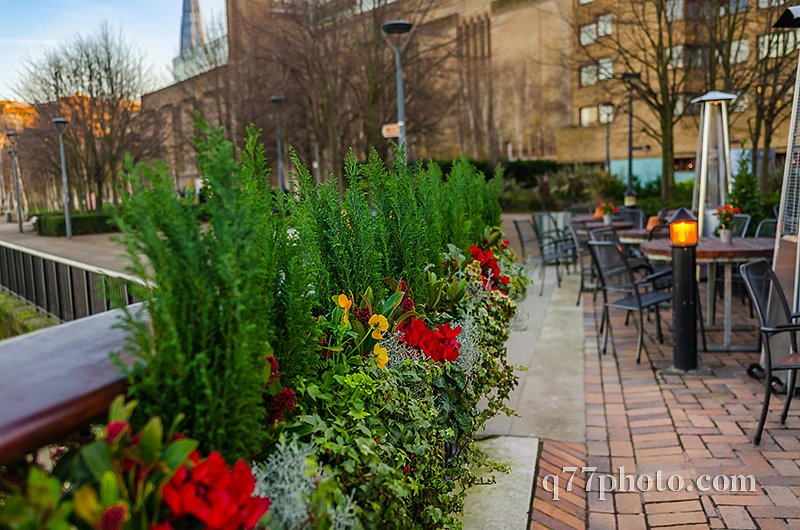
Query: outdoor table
[712, 251]
[595, 224]
[637, 236]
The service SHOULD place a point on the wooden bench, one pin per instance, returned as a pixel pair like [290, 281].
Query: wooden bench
[56, 381]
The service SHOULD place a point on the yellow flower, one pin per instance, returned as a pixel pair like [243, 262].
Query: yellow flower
[379, 324]
[345, 303]
[381, 356]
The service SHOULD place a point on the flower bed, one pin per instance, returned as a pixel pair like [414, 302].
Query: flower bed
[334, 348]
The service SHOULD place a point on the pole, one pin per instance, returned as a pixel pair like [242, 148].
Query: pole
[684, 309]
[15, 171]
[401, 104]
[630, 140]
[65, 185]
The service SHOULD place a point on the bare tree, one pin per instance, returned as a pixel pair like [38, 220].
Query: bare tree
[773, 81]
[650, 39]
[95, 82]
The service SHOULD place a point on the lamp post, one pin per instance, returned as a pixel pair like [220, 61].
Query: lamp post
[606, 117]
[629, 78]
[683, 239]
[403, 29]
[12, 139]
[61, 126]
[277, 100]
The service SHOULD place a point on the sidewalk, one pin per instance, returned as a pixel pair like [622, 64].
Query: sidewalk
[96, 249]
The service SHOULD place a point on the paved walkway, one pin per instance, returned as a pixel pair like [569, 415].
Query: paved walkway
[648, 420]
[96, 249]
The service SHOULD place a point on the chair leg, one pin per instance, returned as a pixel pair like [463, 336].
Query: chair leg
[542, 272]
[640, 341]
[580, 290]
[764, 406]
[558, 272]
[789, 395]
[659, 333]
[604, 325]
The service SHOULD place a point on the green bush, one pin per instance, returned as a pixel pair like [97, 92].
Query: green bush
[54, 223]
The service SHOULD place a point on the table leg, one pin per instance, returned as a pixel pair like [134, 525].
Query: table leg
[711, 294]
[728, 316]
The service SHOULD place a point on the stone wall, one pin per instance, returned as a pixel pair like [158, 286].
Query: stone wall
[18, 317]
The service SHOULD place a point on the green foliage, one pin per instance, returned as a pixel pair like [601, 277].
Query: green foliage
[120, 471]
[54, 223]
[746, 195]
[218, 303]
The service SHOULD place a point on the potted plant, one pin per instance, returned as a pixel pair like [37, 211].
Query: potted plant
[608, 210]
[725, 215]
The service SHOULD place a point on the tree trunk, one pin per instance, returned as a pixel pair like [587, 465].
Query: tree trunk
[764, 176]
[667, 157]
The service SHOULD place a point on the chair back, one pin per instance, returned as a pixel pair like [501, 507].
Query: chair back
[575, 210]
[632, 214]
[767, 228]
[607, 233]
[656, 230]
[546, 224]
[740, 223]
[527, 236]
[612, 267]
[768, 296]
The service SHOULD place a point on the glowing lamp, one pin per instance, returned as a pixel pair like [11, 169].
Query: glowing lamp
[683, 229]
[630, 197]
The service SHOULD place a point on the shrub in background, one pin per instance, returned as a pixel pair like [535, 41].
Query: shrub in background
[55, 224]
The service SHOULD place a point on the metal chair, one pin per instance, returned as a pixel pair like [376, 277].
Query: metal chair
[587, 271]
[767, 228]
[632, 214]
[656, 229]
[777, 322]
[550, 249]
[617, 280]
[740, 224]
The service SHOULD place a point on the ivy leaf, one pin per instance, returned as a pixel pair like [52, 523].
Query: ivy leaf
[98, 459]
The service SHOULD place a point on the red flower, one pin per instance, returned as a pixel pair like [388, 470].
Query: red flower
[362, 314]
[439, 344]
[113, 517]
[274, 374]
[281, 404]
[490, 269]
[115, 429]
[162, 526]
[219, 497]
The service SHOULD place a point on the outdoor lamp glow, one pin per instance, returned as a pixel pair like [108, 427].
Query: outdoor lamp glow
[683, 229]
[630, 197]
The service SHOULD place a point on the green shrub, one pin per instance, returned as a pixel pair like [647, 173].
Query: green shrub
[54, 223]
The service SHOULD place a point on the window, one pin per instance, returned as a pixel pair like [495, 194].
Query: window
[604, 26]
[697, 56]
[589, 75]
[605, 69]
[737, 6]
[588, 34]
[770, 3]
[588, 116]
[605, 113]
[740, 104]
[740, 51]
[777, 44]
[585, 1]
[674, 10]
[675, 56]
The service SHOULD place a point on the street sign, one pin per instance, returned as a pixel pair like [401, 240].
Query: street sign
[391, 130]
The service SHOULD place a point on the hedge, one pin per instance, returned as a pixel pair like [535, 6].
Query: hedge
[54, 224]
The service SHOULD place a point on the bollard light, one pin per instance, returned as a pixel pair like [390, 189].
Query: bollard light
[683, 229]
[683, 237]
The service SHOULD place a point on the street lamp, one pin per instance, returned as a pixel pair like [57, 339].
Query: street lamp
[277, 100]
[629, 78]
[61, 127]
[606, 117]
[12, 139]
[683, 238]
[403, 29]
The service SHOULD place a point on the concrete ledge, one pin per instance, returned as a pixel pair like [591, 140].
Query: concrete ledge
[506, 504]
[18, 317]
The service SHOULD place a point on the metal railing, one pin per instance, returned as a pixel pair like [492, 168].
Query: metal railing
[62, 288]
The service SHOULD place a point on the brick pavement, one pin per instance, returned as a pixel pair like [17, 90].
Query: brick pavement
[647, 420]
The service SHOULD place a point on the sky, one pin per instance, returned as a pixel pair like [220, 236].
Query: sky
[29, 27]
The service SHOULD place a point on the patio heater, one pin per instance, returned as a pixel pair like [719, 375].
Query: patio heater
[713, 181]
[786, 259]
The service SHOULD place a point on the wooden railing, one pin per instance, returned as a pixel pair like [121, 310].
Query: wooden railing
[56, 381]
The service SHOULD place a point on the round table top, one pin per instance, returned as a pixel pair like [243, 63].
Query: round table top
[712, 249]
[584, 218]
